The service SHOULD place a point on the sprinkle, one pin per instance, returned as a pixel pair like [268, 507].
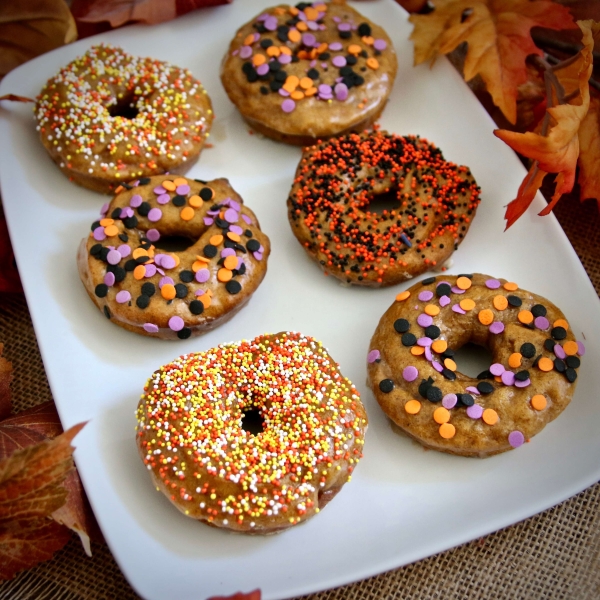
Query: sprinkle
[559, 352]
[373, 356]
[288, 105]
[508, 378]
[545, 364]
[492, 284]
[580, 348]
[386, 385]
[463, 283]
[425, 295]
[441, 415]
[522, 384]
[412, 407]
[496, 327]
[473, 390]
[424, 320]
[539, 402]
[176, 323]
[154, 215]
[500, 302]
[516, 439]
[150, 328]
[457, 309]
[449, 400]
[380, 45]
[402, 296]
[187, 213]
[561, 323]
[468, 304]
[510, 286]
[410, 373]
[486, 316]
[571, 348]
[490, 416]
[439, 346]
[109, 279]
[447, 431]
[497, 369]
[123, 296]
[514, 360]
[167, 291]
[432, 310]
[475, 411]
[444, 301]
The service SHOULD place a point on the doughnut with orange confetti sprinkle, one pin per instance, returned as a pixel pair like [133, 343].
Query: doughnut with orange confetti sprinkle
[255, 436]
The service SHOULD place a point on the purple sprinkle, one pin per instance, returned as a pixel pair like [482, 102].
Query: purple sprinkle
[99, 234]
[126, 212]
[163, 199]
[236, 229]
[492, 284]
[158, 190]
[167, 262]
[424, 320]
[283, 92]
[341, 91]
[199, 292]
[497, 369]
[240, 263]
[516, 439]
[344, 27]
[208, 221]
[123, 296]
[457, 290]
[335, 47]
[158, 259]
[475, 411]
[308, 39]
[150, 328]
[426, 296]
[124, 250]
[424, 341]
[284, 59]
[235, 205]
[202, 275]
[428, 354]
[457, 309]
[263, 17]
[247, 219]
[541, 323]
[373, 356]
[410, 373]
[164, 281]
[262, 69]
[436, 365]
[231, 216]
[339, 61]
[227, 252]
[153, 235]
[473, 390]
[154, 215]
[508, 378]
[288, 105]
[449, 400]
[325, 89]
[497, 327]
[560, 353]
[104, 209]
[313, 27]
[160, 271]
[113, 257]
[522, 384]
[150, 270]
[257, 255]
[176, 323]
[444, 301]
[437, 285]
[271, 23]
[580, 348]
[109, 279]
[245, 52]
[380, 45]
[136, 200]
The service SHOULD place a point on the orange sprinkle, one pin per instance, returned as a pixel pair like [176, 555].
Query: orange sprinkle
[293, 10]
[510, 286]
[464, 283]
[369, 40]
[119, 189]
[311, 13]
[291, 83]
[230, 262]
[412, 407]
[234, 237]
[215, 240]
[297, 95]
[545, 364]
[417, 350]
[320, 7]
[447, 430]
[490, 416]
[205, 299]
[500, 302]
[169, 185]
[302, 26]
[515, 360]
[525, 316]
[167, 291]
[441, 415]
[273, 51]
[180, 181]
[139, 272]
[467, 304]
[202, 259]
[285, 50]
[372, 63]
[138, 253]
[224, 275]
[402, 296]
[450, 364]
[539, 402]
[571, 348]
[354, 49]
[439, 346]
[249, 40]
[187, 213]
[432, 310]
[294, 35]
[106, 222]
[558, 323]
[486, 316]
[197, 266]
[257, 60]
[311, 91]
[111, 230]
[195, 201]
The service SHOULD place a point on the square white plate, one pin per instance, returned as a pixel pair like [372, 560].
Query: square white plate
[403, 503]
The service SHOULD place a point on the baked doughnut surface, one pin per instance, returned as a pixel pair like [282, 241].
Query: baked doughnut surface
[416, 382]
[431, 203]
[310, 71]
[220, 261]
[213, 469]
[109, 117]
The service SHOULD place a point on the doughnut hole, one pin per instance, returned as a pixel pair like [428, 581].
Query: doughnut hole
[471, 359]
[383, 202]
[125, 108]
[252, 421]
[174, 243]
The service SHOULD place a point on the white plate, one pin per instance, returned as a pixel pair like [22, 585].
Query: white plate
[403, 503]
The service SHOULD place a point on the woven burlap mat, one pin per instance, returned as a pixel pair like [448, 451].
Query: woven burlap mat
[555, 554]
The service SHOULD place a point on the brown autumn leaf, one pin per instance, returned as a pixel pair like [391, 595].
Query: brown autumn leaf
[253, 595]
[6, 377]
[589, 153]
[29, 28]
[498, 34]
[558, 151]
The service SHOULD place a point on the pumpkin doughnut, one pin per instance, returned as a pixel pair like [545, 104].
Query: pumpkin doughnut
[432, 203]
[173, 294]
[307, 72]
[214, 466]
[416, 382]
[109, 117]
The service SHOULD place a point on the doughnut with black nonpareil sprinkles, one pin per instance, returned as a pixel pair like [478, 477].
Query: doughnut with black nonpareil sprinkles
[528, 384]
[171, 270]
[306, 438]
[430, 206]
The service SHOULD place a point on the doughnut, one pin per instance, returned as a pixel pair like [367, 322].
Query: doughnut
[415, 379]
[172, 257]
[332, 207]
[262, 434]
[109, 117]
[307, 72]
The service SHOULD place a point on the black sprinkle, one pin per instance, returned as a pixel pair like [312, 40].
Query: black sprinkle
[443, 289]
[96, 249]
[428, 281]
[527, 350]
[485, 387]
[558, 333]
[233, 286]
[559, 365]
[124, 237]
[178, 201]
[364, 29]
[130, 265]
[181, 290]
[206, 193]
[248, 233]
[538, 310]
[196, 307]
[522, 375]
[184, 334]
[386, 385]
[140, 260]
[433, 332]
[571, 375]
[434, 394]
[424, 386]
[116, 213]
[448, 353]
[142, 301]
[143, 209]
[401, 325]
[409, 339]
[549, 345]
[186, 276]
[514, 300]
[144, 180]
[119, 273]
[210, 251]
[148, 289]
[253, 245]
[466, 399]
[95, 225]
[101, 290]
[448, 374]
[537, 360]
[106, 312]
[573, 362]
[468, 275]
[487, 374]
[130, 222]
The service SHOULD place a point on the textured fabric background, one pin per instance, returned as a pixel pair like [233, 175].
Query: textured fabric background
[553, 555]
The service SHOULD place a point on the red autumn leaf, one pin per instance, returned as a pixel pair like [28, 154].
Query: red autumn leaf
[6, 376]
[15, 98]
[589, 153]
[558, 151]
[498, 33]
[254, 595]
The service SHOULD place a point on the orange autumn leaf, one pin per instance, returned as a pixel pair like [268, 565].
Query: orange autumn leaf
[558, 151]
[6, 376]
[498, 34]
[589, 153]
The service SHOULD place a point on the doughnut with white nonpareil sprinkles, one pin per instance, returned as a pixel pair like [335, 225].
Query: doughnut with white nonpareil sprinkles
[255, 436]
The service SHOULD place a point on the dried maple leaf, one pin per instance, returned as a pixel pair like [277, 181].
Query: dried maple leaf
[558, 151]
[29, 28]
[6, 376]
[253, 595]
[589, 153]
[498, 33]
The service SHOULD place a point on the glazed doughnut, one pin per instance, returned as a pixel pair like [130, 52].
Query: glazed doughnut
[416, 382]
[308, 432]
[329, 207]
[220, 258]
[307, 72]
[109, 117]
